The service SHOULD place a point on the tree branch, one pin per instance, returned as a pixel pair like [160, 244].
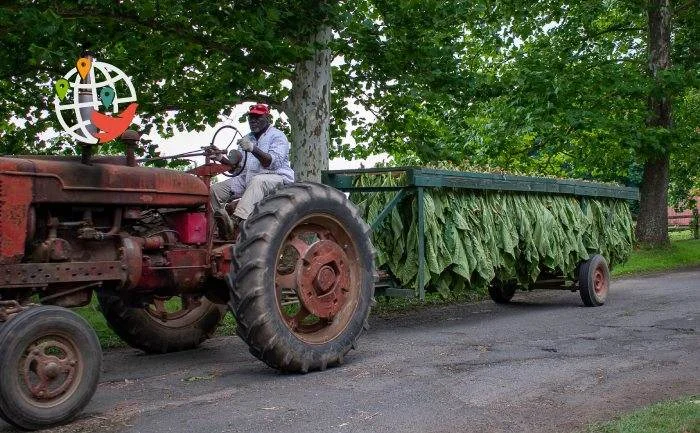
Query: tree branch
[619, 28]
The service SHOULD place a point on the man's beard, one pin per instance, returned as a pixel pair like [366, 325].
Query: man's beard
[257, 126]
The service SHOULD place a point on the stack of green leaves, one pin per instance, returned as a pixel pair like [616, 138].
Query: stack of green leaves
[475, 236]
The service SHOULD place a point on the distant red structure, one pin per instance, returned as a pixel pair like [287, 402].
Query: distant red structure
[687, 219]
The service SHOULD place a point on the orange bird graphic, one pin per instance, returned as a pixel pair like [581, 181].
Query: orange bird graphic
[113, 126]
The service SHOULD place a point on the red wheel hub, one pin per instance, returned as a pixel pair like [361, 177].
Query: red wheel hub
[600, 283]
[323, 278]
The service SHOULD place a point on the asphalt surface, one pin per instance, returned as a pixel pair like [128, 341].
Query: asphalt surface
[544, 363]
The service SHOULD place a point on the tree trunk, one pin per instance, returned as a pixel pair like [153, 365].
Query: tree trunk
[652, 223]
[308, 109]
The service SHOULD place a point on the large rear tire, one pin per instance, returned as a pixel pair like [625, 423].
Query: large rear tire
[159, 327]
[49, 367]
[594, 281]
[302, 284]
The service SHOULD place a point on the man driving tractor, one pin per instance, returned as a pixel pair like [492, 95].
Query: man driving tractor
[262, 174]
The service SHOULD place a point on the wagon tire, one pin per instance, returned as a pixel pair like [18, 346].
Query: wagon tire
[142, 328]
[594, 281]
[302, 284]
[502, 292]
[49, 367]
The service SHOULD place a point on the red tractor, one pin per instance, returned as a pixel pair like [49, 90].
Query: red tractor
[298, 277]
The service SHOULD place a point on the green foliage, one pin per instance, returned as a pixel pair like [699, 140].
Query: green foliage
[199, 58]
[472, 237]
[544, 86]
[682, 252]
[668, 417]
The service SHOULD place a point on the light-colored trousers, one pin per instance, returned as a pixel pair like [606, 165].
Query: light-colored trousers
[259, 186]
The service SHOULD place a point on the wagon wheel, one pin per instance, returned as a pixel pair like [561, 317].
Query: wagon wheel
[594, 281]
[165, 324]
[502, 292]
[49, 367]
[307, 313]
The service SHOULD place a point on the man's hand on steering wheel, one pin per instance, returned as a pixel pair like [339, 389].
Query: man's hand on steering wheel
[214, 153]
[246, 144]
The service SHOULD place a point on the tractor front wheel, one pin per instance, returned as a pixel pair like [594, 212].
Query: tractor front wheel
[302, 284]
[49, 367]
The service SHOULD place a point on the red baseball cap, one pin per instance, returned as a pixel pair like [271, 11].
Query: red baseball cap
[259, 109]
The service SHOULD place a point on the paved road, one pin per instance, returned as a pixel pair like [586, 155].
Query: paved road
[544, 363]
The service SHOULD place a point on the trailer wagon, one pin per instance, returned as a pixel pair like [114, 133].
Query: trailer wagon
[589, 222]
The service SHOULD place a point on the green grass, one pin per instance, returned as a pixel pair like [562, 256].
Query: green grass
[682, 416]
[93, 315]
[680, 254]
[388, 306]
[680, 235]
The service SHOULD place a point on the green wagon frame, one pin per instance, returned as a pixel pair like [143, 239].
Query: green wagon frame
[417, 179]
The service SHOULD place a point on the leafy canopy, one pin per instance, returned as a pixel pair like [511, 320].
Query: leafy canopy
[549, 87]
[199, 58]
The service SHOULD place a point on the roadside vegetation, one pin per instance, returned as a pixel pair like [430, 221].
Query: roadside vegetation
[681, 416]
[684, 251]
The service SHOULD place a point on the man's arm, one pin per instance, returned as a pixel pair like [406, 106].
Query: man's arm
[264, 157]
[278, 150]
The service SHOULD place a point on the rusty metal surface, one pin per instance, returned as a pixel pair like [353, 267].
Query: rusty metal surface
[102, 159]
[132, 256]
[189, 267]
[177, 270]
[191, 227]
[50, 369]
[42, 274]
[15, 203]
[9, 309]
[210, 170]
[57, 181]
[222, 257]
[323, 278]
[317, 279]
[601, 284]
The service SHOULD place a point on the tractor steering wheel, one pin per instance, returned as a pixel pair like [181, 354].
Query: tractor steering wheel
[245, 157]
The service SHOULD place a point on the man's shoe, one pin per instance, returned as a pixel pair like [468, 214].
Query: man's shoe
[225, 225]
[237, 224]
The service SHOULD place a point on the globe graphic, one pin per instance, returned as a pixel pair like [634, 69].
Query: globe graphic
[75, 108]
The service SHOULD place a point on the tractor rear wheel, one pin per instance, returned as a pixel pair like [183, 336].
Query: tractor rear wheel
[302, 283]
[49, 367]
[163, 325]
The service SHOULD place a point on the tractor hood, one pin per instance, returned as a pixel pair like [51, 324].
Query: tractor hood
[105, 181]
